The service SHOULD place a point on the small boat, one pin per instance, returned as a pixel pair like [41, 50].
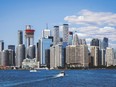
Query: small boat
[61, 74]
[33, 70]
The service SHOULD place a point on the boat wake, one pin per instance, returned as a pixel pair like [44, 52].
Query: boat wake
[15, 83]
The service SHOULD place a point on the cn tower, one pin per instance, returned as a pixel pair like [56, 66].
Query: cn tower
[29, 36]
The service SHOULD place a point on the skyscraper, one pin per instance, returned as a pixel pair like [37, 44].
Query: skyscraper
[52, 57]
[65, 32]
[11, 47]
[11, 57]
[45, 44]
[77, 56]
[46, 33]
[47, 57]
[75, 39]
[5, 58]
[31, 52]
[57, 56]
[20, 37]
[103, 52]
[56, 35]
[94, 55]
[94, 42]
[70, 38]
[1, 45]
[20, 50]
[82, 41]
[12, 54]
[105, 43]
[20, 55]
[109, 56]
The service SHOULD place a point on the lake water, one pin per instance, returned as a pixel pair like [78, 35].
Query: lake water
[48, 78]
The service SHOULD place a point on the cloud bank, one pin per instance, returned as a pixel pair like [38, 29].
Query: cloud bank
[94, 25]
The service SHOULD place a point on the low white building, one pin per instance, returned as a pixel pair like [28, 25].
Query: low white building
[30, 63]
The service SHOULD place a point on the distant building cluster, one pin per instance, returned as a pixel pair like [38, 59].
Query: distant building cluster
[56, 51]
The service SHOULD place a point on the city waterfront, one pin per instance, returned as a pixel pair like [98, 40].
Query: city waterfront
[48, 78]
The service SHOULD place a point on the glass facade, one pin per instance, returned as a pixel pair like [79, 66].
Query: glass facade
[45, 44]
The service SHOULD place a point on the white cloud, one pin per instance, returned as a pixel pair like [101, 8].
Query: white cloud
[94, 25]
[86, 17]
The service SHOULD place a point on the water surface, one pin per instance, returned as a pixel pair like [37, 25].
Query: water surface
[48, 78]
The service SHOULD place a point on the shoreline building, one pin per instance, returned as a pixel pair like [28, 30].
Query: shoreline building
[11, 57]
[11, 49]
[1, 49]
[45, 43]
[1, 45]
[77, 56]
[20, 55]
[109, 56]
[103, 58]
[94, 55]
[20, 50]
[57, 55]
[5, 58]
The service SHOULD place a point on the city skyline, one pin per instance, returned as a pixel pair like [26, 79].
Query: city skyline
[100, 22]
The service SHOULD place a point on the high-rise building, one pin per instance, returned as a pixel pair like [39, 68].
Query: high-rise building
[47, 57]
[70, 55]
[12, 54]
[56, 35]
[65, 32]
[52, 57]
[82, 41]
[84, 60]
[103, 52]
[20, 37]
[109, 56]
[46, 33]
[95, 42]
[105, 43]
[77, 56]
[1, 45]
[11, 57]
[5, 58]
[75, 39]
[11, 47]
[45, 44]
[20, 55]
[39, 50]
[31, 52]
[57, 56]
[70, 38]
[94, 55]
[0, 57]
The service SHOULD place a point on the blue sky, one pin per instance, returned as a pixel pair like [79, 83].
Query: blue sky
[15, 14]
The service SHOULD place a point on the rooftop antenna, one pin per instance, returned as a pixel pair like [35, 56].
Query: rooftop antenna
[46, 25]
